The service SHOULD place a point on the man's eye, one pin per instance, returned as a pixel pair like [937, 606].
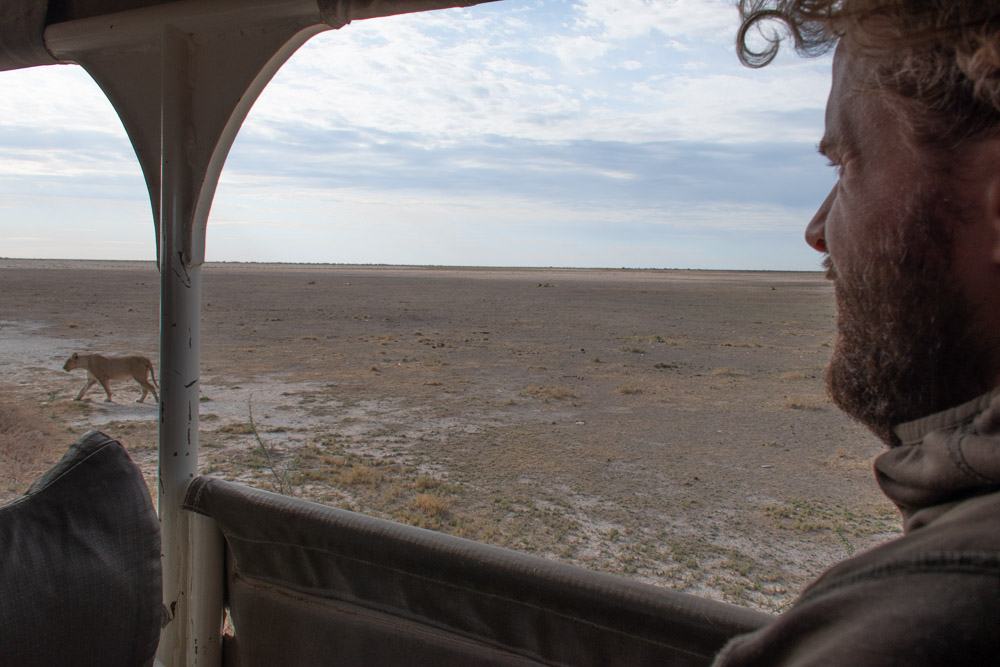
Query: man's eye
[839, 166]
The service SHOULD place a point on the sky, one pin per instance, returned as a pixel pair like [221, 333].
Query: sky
[595, 133]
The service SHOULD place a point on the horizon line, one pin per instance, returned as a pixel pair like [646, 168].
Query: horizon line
[452, 267]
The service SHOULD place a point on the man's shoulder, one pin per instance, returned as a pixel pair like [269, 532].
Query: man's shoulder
[960, 537]
[930, 597]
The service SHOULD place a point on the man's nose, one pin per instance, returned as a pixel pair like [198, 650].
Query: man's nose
[816, 230]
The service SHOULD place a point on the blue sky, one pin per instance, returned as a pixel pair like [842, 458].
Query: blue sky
[602, 133]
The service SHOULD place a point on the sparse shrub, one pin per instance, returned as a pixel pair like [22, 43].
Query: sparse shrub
[431, 505]
[558, 393]
[655, 338]
[361, 475]
[316, 475]
[425, 482]
[629, 389]
[394, 492]
[23, 448]
[242, 428]
[844, 460]
[804, 402]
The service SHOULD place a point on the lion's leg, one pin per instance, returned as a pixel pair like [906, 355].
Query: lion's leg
[107, 389]
[146, 389]
[90, 383]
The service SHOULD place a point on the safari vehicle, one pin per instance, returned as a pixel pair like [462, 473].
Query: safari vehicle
[301, 583]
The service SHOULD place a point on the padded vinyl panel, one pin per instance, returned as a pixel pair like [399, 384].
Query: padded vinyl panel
[310, 584]
[80, 580]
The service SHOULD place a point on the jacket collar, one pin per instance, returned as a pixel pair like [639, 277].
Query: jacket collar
[944, 458]
[912, 432]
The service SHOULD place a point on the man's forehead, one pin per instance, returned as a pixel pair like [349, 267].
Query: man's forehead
[846, 103]
[837, 137]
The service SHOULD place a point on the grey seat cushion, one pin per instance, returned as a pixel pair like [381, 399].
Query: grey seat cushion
[80, 579]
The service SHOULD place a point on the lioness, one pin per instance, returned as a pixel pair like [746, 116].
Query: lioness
[102, 369]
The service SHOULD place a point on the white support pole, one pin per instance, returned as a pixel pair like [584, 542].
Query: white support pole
[201, 106]
[180, 344]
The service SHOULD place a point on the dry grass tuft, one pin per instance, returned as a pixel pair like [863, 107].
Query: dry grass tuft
[236, 429]
[360, 474]
[558, 393]
[656, 339]
[844, 460]
[430, 505]
[425, 482]
[27, 448]
[805, 402]
[629, 389]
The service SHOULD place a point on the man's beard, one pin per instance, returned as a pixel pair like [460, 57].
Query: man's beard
[906, 347]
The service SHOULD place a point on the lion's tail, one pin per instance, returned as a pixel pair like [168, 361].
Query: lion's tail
[149, 366]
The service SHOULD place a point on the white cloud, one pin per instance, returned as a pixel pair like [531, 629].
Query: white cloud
[533, 114]
[679, 19]
[578, 50]
[40, 97]
[409, 75]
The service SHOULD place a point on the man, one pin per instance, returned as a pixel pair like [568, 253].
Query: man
[911, 233]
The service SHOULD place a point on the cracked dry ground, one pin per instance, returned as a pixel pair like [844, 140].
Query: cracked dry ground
[668, 426]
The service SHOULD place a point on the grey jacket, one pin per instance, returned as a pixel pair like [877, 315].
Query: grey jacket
[931, 597]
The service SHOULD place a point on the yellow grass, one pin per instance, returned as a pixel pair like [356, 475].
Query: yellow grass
[430, 505]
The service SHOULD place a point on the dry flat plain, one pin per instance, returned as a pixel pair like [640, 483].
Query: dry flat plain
[668, 426]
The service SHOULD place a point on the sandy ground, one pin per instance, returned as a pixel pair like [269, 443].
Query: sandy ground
[669, 426]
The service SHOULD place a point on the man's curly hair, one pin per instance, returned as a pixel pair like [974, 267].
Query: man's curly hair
[937, 60]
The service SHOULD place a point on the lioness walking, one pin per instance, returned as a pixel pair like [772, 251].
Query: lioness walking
[103, 369]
